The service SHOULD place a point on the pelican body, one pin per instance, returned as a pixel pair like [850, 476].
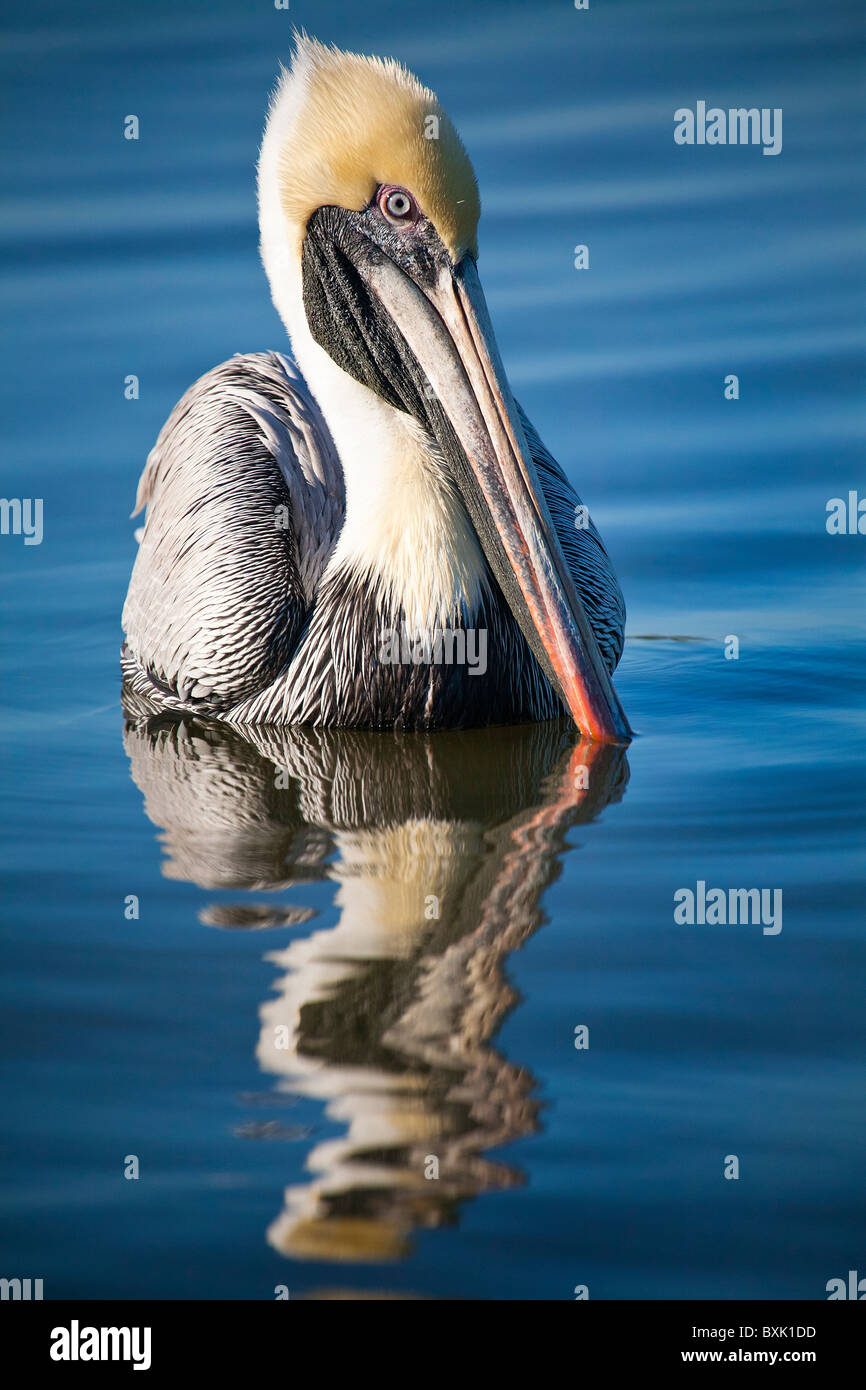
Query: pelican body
[305, 517]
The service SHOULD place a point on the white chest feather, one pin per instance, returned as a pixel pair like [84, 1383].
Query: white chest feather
[406, 526]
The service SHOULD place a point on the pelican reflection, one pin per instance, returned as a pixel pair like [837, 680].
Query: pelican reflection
[440, 847]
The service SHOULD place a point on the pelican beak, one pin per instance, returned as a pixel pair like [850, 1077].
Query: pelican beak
[432, 316]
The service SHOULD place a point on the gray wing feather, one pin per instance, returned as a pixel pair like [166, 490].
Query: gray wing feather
[584, 551]
[300, 442]
[222, 584]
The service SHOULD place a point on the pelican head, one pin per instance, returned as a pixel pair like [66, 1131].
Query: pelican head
[369, 213]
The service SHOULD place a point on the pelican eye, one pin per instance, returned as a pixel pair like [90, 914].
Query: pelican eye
[397, 206]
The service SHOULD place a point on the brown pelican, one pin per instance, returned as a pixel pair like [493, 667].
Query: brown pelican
[321, 544]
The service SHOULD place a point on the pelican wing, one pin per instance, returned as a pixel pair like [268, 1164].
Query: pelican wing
[583, 548]
[245, 499]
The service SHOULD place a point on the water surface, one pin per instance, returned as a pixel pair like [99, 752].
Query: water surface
[306, 907]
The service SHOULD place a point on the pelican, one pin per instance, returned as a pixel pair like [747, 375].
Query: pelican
[304, 517]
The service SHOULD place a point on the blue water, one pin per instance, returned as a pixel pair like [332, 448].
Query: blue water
[453, 1037]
